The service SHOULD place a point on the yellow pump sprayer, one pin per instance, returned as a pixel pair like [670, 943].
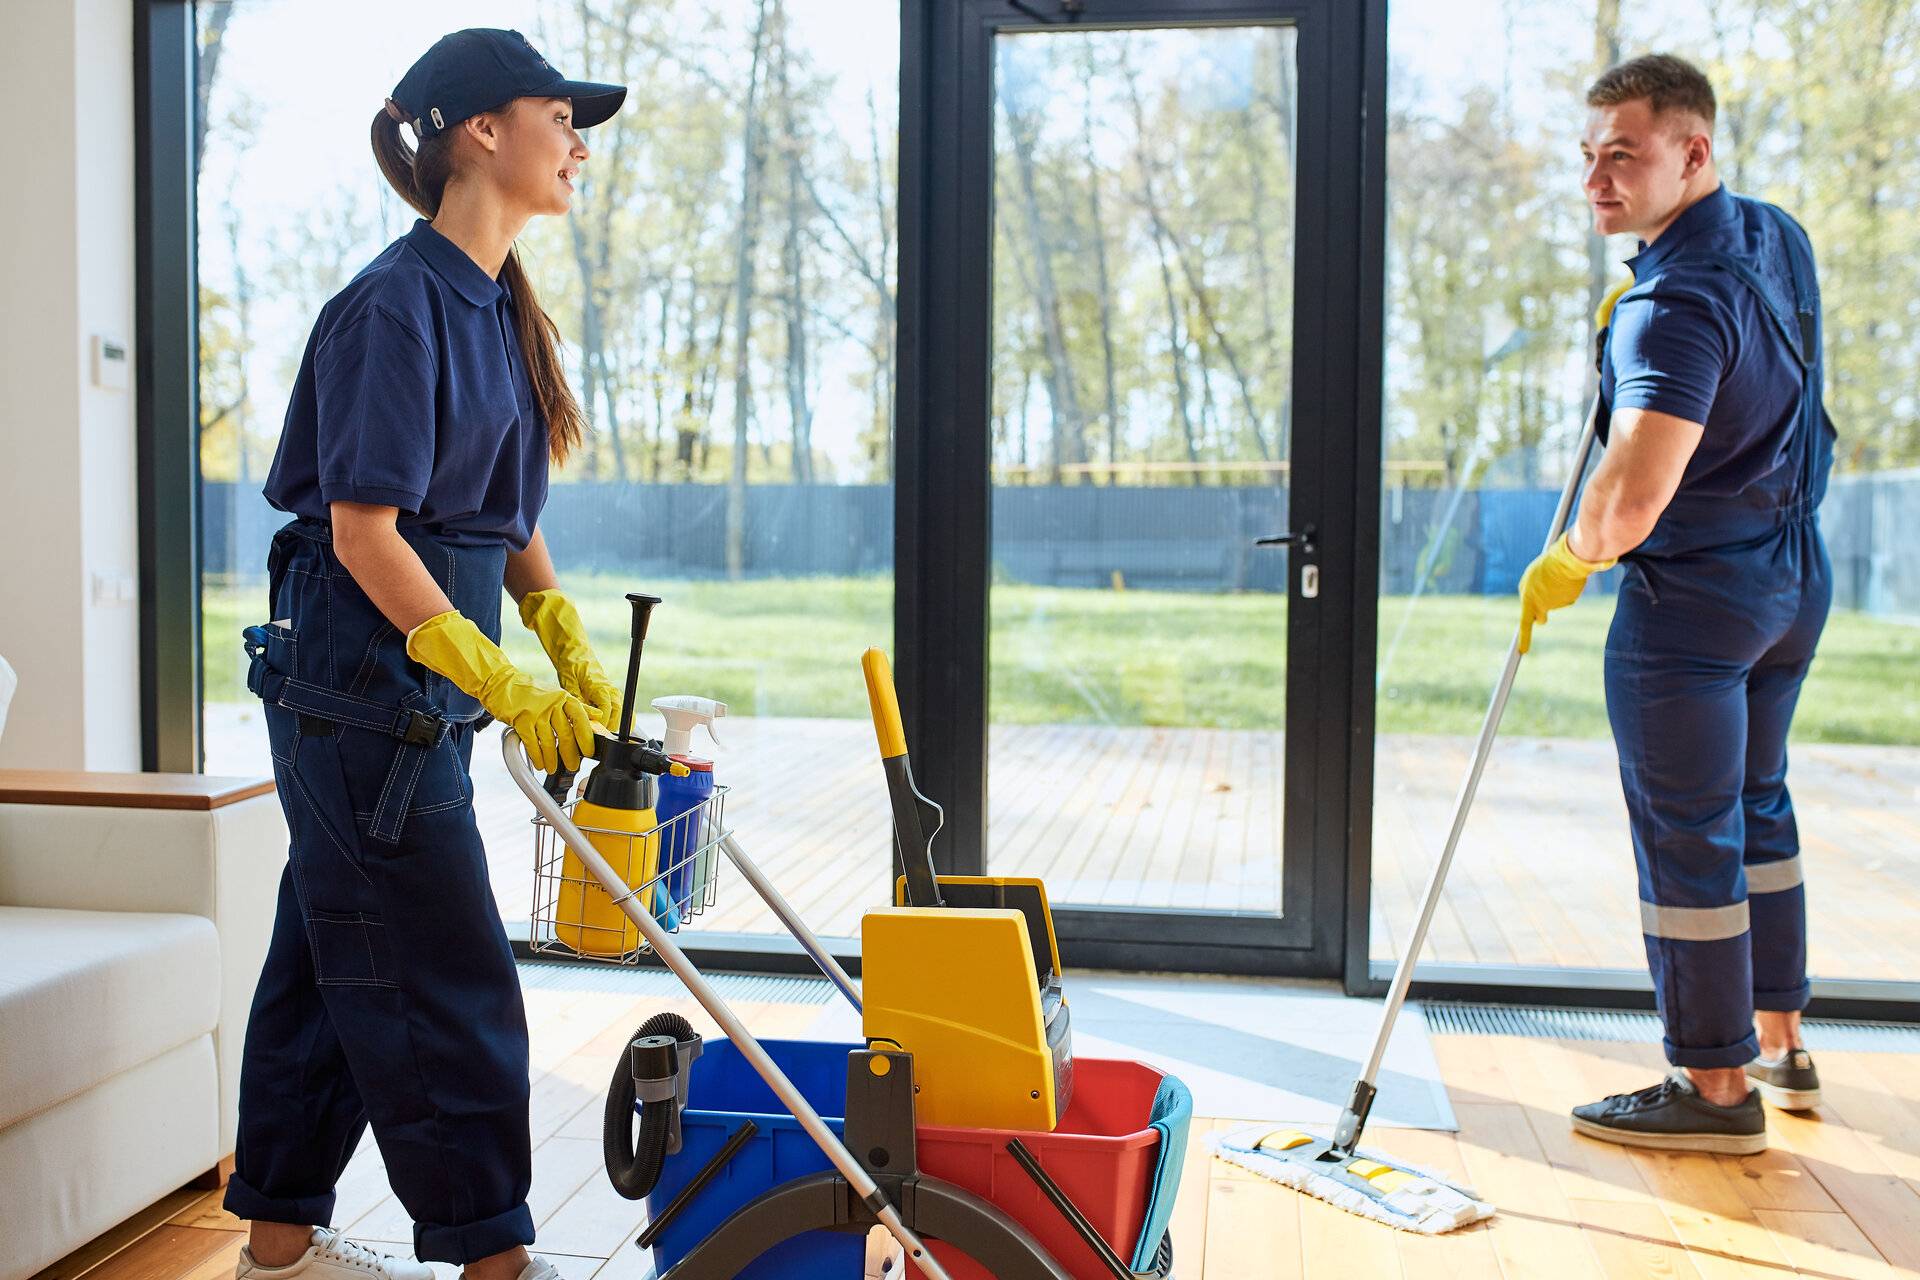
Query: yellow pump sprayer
[617, 813]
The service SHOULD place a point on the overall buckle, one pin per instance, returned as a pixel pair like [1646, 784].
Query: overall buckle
[421, 729]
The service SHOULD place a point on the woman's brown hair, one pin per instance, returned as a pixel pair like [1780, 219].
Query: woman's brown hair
[421, 179]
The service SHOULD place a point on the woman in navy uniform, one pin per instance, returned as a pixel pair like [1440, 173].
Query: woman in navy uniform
[1718, 449]
[429, 404]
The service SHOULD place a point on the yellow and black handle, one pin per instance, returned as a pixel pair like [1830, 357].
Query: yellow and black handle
[916, 819]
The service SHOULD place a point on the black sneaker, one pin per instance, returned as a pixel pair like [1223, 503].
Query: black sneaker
[1788, 1082]
[1672, 1116]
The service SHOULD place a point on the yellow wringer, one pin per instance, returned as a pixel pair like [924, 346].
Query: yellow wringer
[964, 973]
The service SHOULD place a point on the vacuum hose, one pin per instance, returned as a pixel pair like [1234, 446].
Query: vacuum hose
[652, 1058]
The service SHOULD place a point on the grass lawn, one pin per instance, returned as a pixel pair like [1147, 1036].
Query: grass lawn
[791, 648]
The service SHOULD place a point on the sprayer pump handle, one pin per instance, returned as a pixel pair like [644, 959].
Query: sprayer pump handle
[642, 614]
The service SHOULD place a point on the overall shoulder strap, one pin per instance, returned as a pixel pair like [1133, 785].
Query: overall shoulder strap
[1806, 297]
[1800, 328]
[1795, 333]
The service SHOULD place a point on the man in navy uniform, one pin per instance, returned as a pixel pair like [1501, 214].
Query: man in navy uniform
[1717, 456]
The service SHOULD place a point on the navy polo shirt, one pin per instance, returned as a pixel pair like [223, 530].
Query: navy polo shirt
[1699, 345]
[413, 394]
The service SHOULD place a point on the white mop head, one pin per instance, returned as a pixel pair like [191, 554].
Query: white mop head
[1367, 1182]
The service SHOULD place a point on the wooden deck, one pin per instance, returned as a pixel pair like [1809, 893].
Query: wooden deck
[1191, 819]
[1838, 1196]
[1545, 871]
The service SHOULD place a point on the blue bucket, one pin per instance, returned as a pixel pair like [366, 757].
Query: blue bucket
[725, 1091]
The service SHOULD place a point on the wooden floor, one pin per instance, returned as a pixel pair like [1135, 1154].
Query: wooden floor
[1838, 1196]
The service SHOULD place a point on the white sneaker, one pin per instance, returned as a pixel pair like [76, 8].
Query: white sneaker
[539, 1269]
[332, 1256]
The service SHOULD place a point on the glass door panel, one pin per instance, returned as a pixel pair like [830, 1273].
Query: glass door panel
[1142, 404]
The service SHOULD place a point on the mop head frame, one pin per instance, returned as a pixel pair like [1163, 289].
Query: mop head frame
[1368, 1183]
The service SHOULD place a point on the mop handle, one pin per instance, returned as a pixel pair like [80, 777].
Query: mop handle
[808, 940]
[861, 1183]
[1355, 1118]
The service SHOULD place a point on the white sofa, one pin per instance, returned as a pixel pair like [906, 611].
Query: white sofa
[135, 911]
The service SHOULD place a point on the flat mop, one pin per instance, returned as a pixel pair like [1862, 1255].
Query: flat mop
[1367, 1182]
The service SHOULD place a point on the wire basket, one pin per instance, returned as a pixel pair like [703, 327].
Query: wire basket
[673, 870]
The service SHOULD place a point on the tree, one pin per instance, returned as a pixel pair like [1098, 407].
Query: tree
[211, 43]
[1020, 91]
[753, 163]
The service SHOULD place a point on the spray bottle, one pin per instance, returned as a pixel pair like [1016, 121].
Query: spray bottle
[684, 799]
[618, 814]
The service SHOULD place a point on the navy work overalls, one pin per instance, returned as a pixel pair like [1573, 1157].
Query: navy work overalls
[389, 993]
[1718, 616]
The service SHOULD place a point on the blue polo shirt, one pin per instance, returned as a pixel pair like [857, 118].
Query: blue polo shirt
[413, 394]
[1694, 341]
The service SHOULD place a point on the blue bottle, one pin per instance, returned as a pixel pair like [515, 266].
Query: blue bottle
[681, 840]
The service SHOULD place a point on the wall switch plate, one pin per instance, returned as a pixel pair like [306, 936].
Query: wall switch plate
[115, 589]
[109, 364]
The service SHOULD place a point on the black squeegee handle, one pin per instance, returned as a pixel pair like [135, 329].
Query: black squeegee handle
[1070, 1211]
[737, 1139]
[916, 819]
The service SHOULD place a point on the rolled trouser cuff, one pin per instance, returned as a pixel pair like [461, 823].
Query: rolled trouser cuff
[472, 1241]
[1791, 1001]
[1738, 1054]
[243, 1200]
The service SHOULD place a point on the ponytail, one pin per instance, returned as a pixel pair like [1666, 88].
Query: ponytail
[421, 178]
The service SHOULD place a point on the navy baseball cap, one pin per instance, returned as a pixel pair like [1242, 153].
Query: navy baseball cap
[481, 68]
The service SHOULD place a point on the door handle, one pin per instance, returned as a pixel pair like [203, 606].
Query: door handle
[1303, 538]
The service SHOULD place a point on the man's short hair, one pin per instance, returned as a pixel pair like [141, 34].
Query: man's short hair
[1667, 83]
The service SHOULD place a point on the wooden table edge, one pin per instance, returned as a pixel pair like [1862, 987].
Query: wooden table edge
[194, 791]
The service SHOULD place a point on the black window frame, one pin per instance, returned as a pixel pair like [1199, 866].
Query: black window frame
[167, 402]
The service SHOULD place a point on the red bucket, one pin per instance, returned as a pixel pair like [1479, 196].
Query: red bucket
[1102, 1155]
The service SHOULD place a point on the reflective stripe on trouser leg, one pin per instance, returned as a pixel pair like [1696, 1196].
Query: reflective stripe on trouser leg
[1776, 876]
[1693, 924]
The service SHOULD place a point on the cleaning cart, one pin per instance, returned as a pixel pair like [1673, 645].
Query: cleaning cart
[776, 1158]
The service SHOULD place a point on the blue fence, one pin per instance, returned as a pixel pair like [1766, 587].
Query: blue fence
[1471, 542]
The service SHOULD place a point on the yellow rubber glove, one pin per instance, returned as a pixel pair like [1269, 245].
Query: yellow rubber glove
[552, 617]
[1602, 317]
[1603, 314]
[555, 725]
[1551, 582]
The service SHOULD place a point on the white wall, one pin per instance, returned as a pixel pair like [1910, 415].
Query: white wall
[68, 500]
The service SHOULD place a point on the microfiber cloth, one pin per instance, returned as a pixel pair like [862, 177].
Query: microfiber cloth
[1172, 1115]
[1367, 1182]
